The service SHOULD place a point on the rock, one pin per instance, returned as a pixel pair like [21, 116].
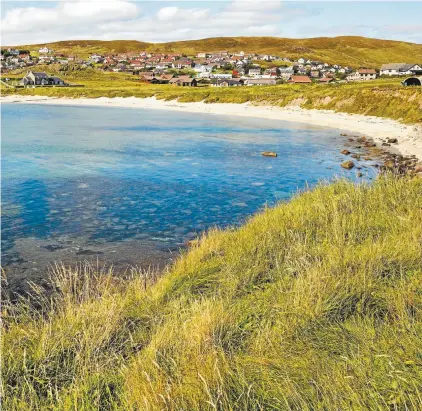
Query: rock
[348, 165]
[418, 168]
[343, 134]
[367, 158]
[359, 174]
[392, 141]
[88, 252]
[370, 144]
[356, 156]
[358, 147]
[361, 139]
[52, 247]
[386, 144]
[345, 152]
[269, 154]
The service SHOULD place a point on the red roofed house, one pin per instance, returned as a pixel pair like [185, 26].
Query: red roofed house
[362, 74]
[326, 80]
[300, 80]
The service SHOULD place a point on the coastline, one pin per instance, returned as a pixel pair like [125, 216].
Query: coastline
[379, 129]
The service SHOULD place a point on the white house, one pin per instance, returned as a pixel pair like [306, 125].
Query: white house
[45, 50]
[286, 73]
[362, 75]
[254, 72]
[221, 75]
[400, 69]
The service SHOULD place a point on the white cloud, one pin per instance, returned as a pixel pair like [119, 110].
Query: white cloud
[167, 13]
[30, 24]
[178, 20]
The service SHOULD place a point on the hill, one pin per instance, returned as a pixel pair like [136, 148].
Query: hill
[346, 50]
[315, 304]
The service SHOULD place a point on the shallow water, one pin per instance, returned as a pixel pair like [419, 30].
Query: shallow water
[131, 186]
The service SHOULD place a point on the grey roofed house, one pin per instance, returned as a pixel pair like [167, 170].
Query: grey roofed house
[233, 82]
[184, 81]
[396, 66]
[35, 78]
[40, 79]
[400, 68]
[260, 82]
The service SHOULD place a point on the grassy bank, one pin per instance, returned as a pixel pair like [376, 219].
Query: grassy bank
[383, 98]
[315, 304]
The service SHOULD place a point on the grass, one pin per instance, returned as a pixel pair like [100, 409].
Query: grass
[351, 51]
[315, 304]
[382, 97]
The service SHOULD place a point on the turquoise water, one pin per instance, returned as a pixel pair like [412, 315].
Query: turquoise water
[129, 186]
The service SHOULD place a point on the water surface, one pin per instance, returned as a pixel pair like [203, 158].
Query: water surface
[131, 186]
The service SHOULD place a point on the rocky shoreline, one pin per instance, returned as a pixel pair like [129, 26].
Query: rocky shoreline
[390, 161]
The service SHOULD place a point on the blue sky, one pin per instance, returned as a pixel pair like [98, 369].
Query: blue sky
[25, 22]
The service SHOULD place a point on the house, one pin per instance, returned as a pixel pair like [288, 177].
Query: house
[184, 81]
[286, 73]
[182, 63]
[33, 78]
[300, 80]
[45, 50]
[203, 68]
[154, 79]
[400, 69]
[221, 75]
[216, 82]
[363, 74]
[260, 82]
[326, 80]
[315, 73]
[254, 72]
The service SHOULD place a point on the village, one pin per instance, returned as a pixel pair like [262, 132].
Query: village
[215, 69]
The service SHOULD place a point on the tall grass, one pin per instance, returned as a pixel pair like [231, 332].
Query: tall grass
[314, 304]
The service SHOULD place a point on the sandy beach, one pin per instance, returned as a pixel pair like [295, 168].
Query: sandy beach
[409, 136]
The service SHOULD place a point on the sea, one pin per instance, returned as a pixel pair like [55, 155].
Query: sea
[129, 188]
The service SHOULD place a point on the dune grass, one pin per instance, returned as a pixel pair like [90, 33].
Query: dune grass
[312, 305]
[383, 98]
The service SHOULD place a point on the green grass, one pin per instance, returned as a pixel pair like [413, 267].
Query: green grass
[382, 97]
[352, 51]
[312, 305]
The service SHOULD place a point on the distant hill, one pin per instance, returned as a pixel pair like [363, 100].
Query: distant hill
[345, 50]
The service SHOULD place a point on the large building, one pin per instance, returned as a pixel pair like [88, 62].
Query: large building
[400, 69]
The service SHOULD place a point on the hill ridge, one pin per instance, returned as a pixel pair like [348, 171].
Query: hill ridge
[343, 50]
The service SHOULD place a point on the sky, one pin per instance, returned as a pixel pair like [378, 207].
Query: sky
[29, 22]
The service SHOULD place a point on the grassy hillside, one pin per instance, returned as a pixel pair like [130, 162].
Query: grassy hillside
[346, 50]
[315, 304]
[384, 98]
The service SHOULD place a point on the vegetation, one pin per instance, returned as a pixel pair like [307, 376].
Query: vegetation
[383, 97]
[346, 50]
[314, 304]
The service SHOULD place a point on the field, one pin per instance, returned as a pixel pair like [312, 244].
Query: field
[315, 304]
[351, 51]
[383, 97]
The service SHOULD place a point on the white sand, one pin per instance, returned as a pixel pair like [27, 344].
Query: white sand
[409, 137]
